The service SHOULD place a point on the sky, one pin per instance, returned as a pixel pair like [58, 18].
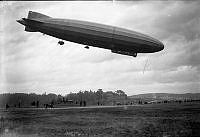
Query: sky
[34, 63]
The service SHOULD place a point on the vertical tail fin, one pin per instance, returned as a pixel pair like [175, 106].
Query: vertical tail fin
[35, 15]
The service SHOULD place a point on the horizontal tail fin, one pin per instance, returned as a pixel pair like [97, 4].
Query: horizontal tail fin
[29, 29]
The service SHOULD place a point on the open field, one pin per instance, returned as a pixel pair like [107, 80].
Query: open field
[159, 120]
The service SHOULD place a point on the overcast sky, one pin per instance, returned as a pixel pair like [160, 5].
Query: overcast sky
[31, 62]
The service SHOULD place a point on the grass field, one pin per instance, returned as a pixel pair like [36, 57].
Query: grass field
[151, 120]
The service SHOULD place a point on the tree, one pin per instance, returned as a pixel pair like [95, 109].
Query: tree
[99, 94]
[120, 93]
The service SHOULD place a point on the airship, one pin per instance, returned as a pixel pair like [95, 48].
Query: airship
[118, 40]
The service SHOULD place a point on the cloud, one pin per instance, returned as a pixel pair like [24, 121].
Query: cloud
[177, 19]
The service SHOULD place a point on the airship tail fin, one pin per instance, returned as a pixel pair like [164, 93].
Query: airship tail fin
[36, 15]
[29, 29]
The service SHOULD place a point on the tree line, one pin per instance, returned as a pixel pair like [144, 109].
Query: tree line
[82, 98]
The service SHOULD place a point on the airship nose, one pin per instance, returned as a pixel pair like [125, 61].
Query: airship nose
[158, 46]
[161, 46]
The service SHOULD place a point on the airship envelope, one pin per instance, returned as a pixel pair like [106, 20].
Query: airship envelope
[118, 40]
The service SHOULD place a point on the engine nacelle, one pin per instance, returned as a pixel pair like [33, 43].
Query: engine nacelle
[60, 42]
[125, 53]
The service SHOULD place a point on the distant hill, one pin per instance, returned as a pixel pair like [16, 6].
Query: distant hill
[166, 96]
